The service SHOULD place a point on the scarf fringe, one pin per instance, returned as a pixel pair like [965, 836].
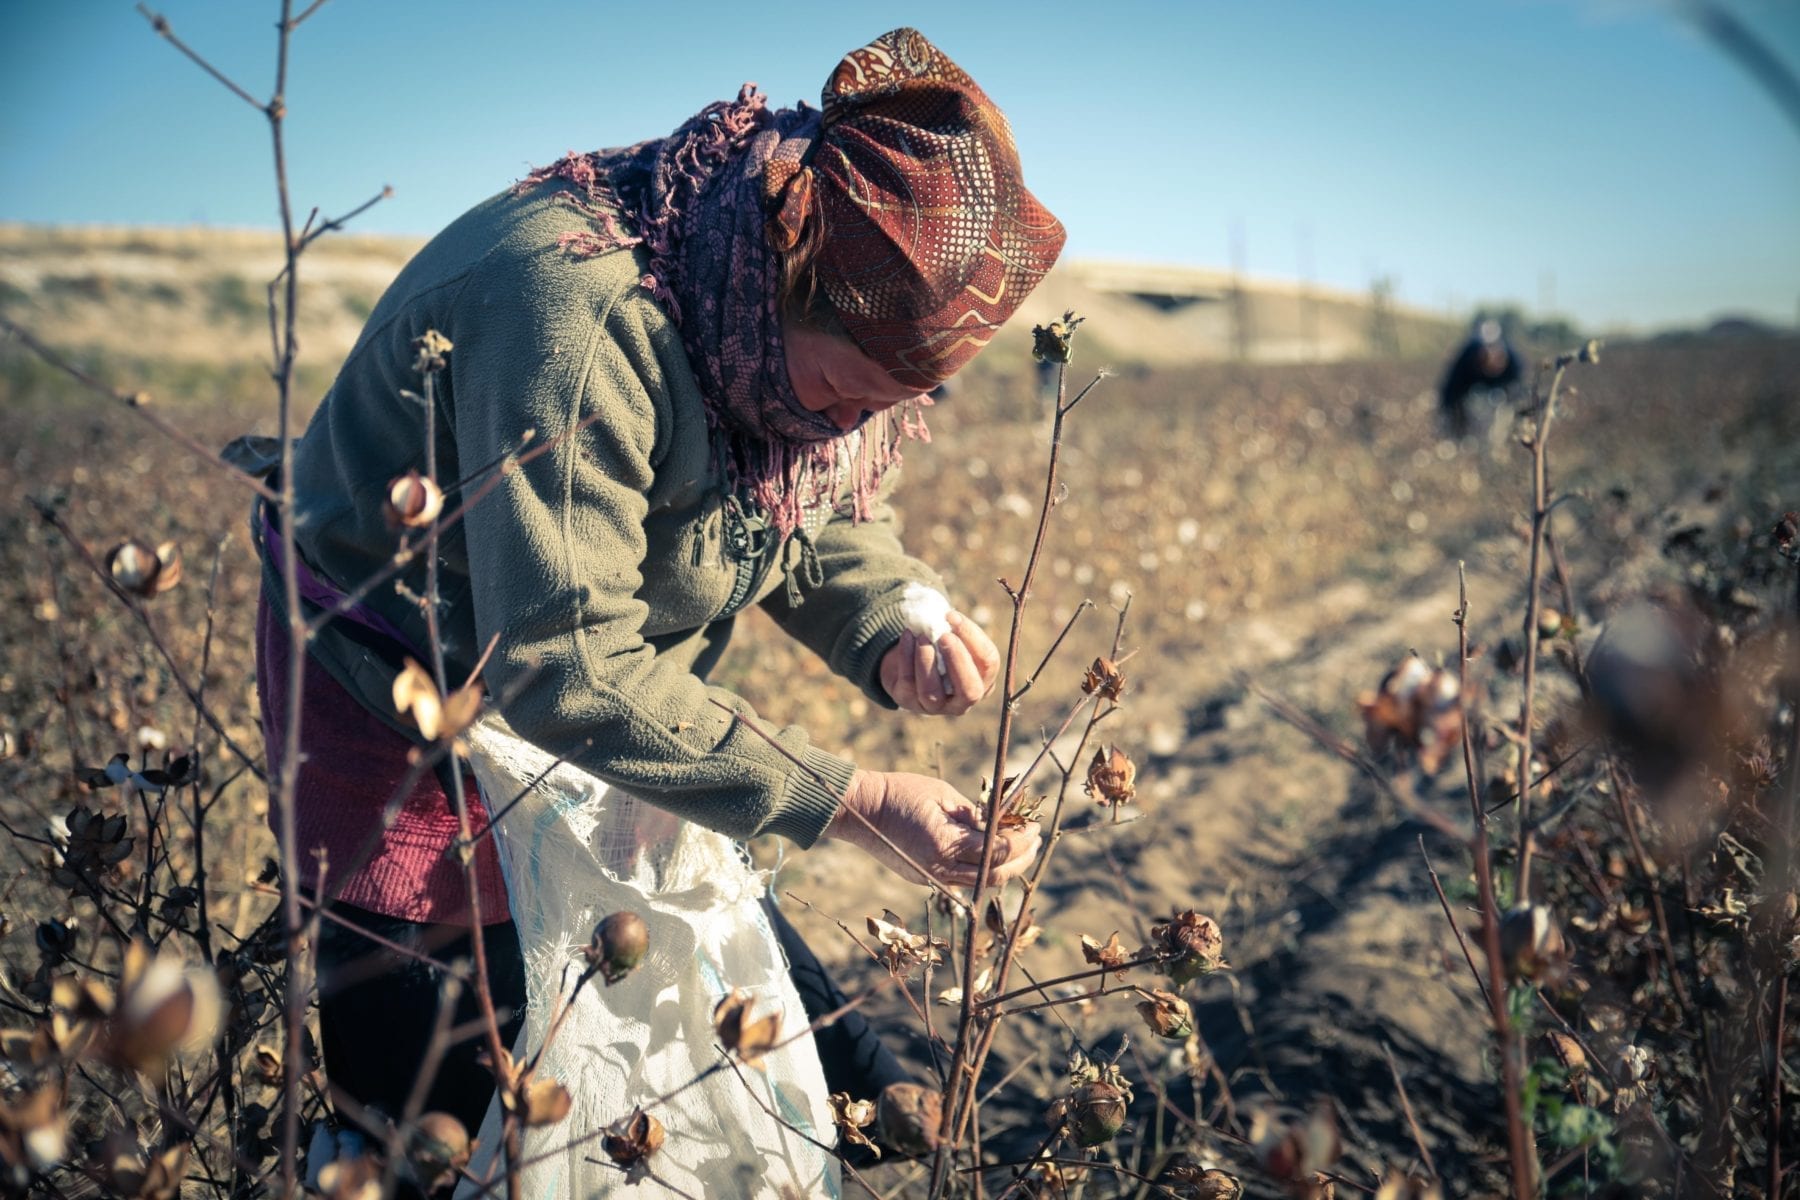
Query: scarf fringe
[656, 185]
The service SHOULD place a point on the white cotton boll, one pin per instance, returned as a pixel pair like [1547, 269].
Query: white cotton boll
[926, 611]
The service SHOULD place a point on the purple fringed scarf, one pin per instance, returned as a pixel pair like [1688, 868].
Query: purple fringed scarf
[694, 200]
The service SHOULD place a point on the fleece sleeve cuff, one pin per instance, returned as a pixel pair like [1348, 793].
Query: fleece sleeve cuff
[816, 789]
[863, 648]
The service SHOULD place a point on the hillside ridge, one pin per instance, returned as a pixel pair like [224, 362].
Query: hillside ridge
[199, 294]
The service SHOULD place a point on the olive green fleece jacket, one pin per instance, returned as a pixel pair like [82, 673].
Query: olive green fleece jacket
[598, 565]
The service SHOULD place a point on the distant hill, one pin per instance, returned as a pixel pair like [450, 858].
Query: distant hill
[1158, 314]
[199, 295]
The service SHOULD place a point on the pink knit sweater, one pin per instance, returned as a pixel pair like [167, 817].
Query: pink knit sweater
[352, 765]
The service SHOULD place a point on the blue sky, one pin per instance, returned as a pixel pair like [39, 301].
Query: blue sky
[1600, 155]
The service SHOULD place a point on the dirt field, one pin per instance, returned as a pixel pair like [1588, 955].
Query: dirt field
[1294, 529]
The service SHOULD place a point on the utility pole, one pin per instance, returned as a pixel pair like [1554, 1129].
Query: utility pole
[1240, 302]
[1384, 334]
[1309, 304]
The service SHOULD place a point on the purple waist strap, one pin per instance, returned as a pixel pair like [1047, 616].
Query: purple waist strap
[328, 595]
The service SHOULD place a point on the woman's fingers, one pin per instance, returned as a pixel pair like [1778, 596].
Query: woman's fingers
[943, 678]
[982, 652]
[902, 688]
[962, 681]
[968, 662]
[1022, 847]
[925, 825]
[1013, 852]
[965, 847]
[929, 683]
[965, 812]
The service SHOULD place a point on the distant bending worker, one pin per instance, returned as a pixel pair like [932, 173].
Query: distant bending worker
[1487, 362]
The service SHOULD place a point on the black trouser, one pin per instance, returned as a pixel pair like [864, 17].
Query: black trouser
[378, 1008]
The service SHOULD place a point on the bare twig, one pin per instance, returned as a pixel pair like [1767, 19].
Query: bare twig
[1403, 797]
[161, 25]
[308, 11]
[1412, 1118]
[137, 402]
[1520, 1148]
[1456, 929]
[334, 223]
[198, 815]
[925, 875]
[962, 1088]
[512, 1133]
[1142, 960]
[1541, 506]
[787, 1124]
[1775, 1085]
[1757, 59]
[1054, 647]
[54, 518]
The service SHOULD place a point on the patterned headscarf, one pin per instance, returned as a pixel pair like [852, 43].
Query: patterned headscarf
[929, 240]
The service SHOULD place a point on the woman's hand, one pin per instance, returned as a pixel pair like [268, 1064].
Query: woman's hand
[931, 823]
[945, 678]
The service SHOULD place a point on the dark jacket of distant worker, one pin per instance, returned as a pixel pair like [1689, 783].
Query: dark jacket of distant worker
[721, 336]
[1487, 361]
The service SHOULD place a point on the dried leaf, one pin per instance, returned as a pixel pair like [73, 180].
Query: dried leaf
[748, 1039]
[460, 709]
[1112, 777]
[417, 694]
[1111, 955]
[1166, 1014]
[1105, 678]
[506, 1070]
[545, 1102]
[902, 948]
[1051, 343]
[952, 996]
[268, 1066]
[1190, 944]
[852, 1117]
[430, 350]
[633, 1139]
[1023, 811]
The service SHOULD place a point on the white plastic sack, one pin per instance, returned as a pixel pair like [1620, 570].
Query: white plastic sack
[572, 851]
